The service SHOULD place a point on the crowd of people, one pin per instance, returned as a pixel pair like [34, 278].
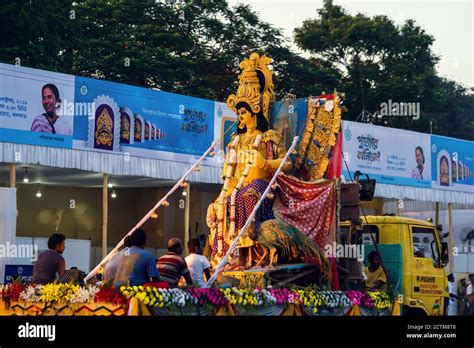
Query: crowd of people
[132, 264]
[461, 297]
[135, 266]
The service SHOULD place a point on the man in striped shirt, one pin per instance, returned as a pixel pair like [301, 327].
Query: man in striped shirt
[172, 265]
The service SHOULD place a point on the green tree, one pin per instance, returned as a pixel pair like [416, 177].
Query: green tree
[193, 48]
[37, 34]
[380, 61]
[185, 47]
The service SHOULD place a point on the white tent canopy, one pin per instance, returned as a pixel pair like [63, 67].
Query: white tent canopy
[101, 162]
[423, 194]
[111, 163]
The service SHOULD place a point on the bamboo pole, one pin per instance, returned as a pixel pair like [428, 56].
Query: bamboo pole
[251, 216]
[187, 207]
[437, 214]
[160, 202]
[152, 210]
[12, 175]
[105, 213]
[451, 239]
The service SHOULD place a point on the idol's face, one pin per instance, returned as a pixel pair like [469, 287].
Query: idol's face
[245, 117]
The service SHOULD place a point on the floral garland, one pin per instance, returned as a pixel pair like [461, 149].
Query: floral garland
[32, 293]
[156, 297]
[381, 299]
[107, 293]
[11, 292]
[359, 298]
[250, 161]
[284, 296]
[211, 298]
[309, 297]
[231, 160]
[49, 293]
[247, 297]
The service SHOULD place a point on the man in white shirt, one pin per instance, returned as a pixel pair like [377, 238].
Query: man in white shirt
[452, 291]
[470, 294]
[469, 285]
[197, 264]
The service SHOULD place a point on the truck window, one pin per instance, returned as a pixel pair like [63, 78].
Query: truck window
[368, 230]
[422, 241]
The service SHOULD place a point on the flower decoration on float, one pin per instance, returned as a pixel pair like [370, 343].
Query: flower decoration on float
[380, 299]
[152, 295]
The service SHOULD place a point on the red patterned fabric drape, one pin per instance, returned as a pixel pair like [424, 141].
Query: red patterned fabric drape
[308, 206]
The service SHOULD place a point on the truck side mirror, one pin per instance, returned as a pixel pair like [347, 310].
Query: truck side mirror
[444, 253]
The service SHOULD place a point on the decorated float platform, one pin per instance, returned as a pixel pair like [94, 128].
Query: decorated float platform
[57, 299]
[276, 276]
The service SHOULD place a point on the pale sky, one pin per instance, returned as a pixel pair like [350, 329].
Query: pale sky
[449, 22]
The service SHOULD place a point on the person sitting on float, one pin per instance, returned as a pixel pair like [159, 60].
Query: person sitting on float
[376, 278]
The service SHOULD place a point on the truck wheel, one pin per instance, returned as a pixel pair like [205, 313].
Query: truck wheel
[413, 312]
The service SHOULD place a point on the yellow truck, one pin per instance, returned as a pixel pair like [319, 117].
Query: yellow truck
[414, 257]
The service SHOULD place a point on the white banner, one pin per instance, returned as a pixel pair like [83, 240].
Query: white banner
[389, 155]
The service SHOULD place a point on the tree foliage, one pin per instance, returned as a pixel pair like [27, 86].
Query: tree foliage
[380, 61]
[194, 48]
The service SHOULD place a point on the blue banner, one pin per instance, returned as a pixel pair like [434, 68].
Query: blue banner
[133, 119]
[452, 164]
[56, 110]
[13, 272]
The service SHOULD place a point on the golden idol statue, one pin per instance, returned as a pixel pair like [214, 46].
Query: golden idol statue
[253, 155]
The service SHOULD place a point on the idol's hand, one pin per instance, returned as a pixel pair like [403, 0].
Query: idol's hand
[261, 161]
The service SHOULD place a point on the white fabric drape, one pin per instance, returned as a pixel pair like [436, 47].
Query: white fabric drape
[110, 163]
[113, 163]
[423, 194]
[8, 215]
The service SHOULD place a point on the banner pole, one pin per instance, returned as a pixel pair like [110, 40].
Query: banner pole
[105, 213]
[12, 175]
